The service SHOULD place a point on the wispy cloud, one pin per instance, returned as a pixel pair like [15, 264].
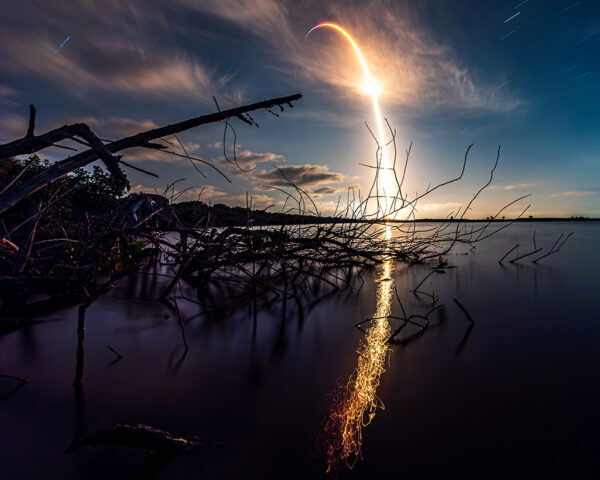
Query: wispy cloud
[248, 160]
[140, 154]
[7, 96]
[112, 48]
[327, 190]
[440, 206]
[6, 91]
[301, 175]
[117, 126]
[574, 193]
[125, 70]
[413, 68]
[12, 126]
[517, 186]
[109, 50]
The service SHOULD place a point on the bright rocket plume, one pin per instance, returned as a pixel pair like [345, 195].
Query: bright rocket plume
[372, 89]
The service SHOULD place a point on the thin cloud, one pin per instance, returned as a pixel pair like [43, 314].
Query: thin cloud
[248, 160]
[574, 193]
[117, 126]
[140, 154]
[167, 75]
[327, 190]
[12, 127]
[440, 206]
[15, 126]
[7, 95]
[6, 91]
[413, 69]
[517, 186]
[150, 155]
[109, 50]
[301, 175]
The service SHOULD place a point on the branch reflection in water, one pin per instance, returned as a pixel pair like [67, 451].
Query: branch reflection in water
[355, 403]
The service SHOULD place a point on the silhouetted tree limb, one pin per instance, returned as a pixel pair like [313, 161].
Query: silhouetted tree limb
[31, 144]
[464, 310]
[31, 126]
[14, 377]
[28, 145]
[554, 248]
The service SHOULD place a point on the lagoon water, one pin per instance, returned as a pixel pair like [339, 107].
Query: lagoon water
[515, 396]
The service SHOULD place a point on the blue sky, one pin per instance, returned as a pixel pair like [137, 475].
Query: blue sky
[523, 75]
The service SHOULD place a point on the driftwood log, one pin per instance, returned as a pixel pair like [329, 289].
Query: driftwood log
[137, 436]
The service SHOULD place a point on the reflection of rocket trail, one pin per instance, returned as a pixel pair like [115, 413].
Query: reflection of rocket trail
[372, 89]
[357, 401]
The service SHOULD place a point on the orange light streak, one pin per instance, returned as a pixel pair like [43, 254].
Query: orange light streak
[356, 402]
[372, 89]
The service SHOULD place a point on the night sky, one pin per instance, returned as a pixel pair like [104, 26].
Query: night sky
[521, 74]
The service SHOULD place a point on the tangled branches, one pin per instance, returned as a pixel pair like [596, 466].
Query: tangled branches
[302, 253]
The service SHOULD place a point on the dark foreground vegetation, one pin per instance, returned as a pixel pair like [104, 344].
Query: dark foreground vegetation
[67, 234]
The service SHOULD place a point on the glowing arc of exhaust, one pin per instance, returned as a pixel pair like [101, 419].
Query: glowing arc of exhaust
[371, 85]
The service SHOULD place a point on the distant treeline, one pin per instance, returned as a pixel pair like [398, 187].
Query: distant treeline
[86, 201]
[522, 219]
[220, 215]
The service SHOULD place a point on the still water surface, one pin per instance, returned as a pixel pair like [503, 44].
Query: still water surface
[515, 396]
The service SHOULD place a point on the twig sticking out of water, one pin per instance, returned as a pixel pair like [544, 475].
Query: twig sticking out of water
[461, 306]
[80, 353]
[514, 260]
[554, 248]
[313, 255]
[508, 253]
[440, 268]
[182, 326]
[14, 377]
[410, 319]
[533, 252]
[462, 344]
[416, 289]
[119, 356]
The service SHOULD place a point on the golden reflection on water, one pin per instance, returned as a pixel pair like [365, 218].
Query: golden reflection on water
[356, 402]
